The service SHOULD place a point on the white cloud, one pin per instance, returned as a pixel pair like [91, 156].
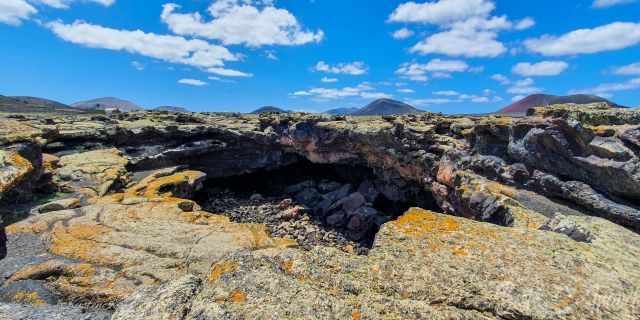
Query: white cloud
[174, 49]
[610, 3]
[229, 72]
[613, 36]
[628, 70]
[363, 90]
[406, 90]
[457, 97]
[137, 65]
[192, 82]
[271, 55]
[441, 12]
[403, 33]
[501, 78]
[525, 23]
[329, 80]
[375, 95]
[607, 88]
[524, 87]
[480, 99]
[449, 93]
[437, 67]
[253, 23]
[464, 43]
[517, 98]
[544, 68]
[353, 68]
[64, 4]
[467, 27]
[12, 12]
[430, 101]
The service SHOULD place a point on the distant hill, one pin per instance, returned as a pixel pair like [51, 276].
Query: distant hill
[107, 103]
[386, 107]
[31, 104]
[342, 111]
[270, 109]
[538, 100]
[171, 109]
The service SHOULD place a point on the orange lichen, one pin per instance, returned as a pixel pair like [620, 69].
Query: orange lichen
[79, 242]
[419, 222]
[31, 298]
[356, 315]
[237, 296]
[287, 266]
[219, 269]
[50, 162]
[459, 252]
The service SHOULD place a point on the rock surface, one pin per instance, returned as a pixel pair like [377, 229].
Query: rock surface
[538, 217]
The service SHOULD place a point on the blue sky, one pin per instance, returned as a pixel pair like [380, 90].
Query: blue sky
[452, 56]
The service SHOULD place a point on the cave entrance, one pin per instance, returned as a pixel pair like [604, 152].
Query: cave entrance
[316, 204]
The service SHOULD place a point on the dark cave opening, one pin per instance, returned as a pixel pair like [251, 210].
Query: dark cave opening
[340, 205]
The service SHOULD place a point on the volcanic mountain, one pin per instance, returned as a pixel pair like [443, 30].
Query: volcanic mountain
[386, 107]
[342, 111]
[268, 109]
[107, 103]
[538, 100]
[31, 104]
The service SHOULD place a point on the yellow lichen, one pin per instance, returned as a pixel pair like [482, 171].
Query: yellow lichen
[419, 222]
[219, 269]
[287, 266]
[79, 242]
[237, 296]
[31, 298]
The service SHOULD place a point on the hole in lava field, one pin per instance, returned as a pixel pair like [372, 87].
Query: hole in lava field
[316, 204]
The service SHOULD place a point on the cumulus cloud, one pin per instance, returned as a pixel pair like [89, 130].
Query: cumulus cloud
[607, 88]
[610, 3]
[363, 90]
[192, 82]
[353, 68]
[253, 23]
[467, 27]
[540, 69]
[461, 43]
[628, 70]
[502, 79]
[449, 93]
[613, 36]
[525, 23]
[137, 65]
[524, 87]
[329, 80]
[517, 98]
[441, 12]
[406, 90]
[64, 4]
[451, 96]
[229, 72]
[174, 49]
[13, 12]
[436, 67]
[403, 33]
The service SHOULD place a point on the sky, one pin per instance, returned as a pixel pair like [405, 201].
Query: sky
[451, 56]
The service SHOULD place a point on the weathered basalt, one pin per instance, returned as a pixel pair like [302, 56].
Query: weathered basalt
[537, 217]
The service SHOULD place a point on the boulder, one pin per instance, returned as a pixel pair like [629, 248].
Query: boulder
[425, 264]
[92, 173]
